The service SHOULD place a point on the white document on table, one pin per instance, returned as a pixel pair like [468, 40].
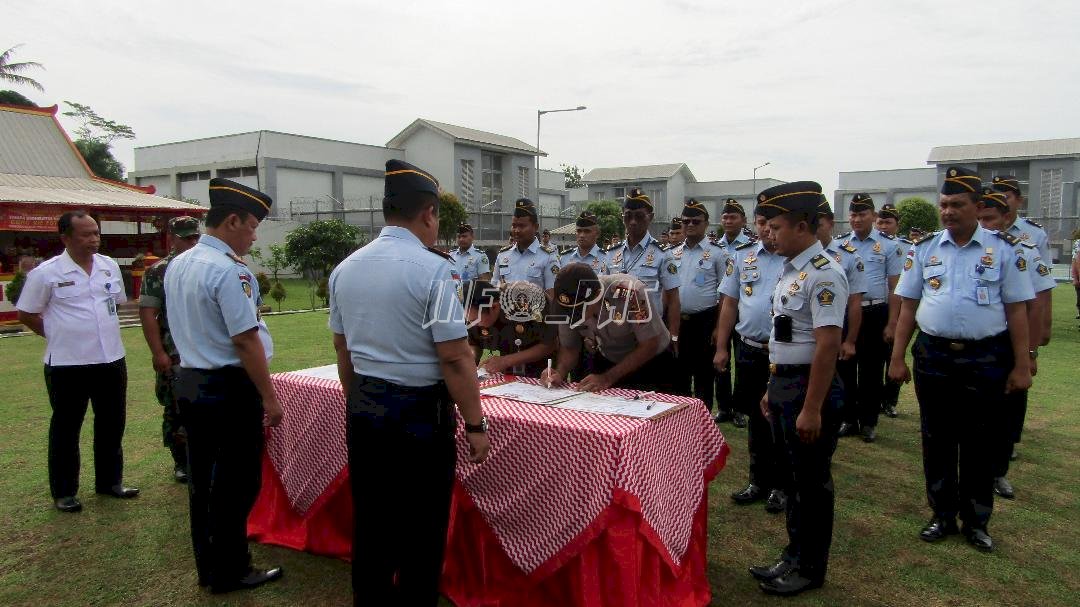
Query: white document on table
[324, 372]
[615, 405]
[530, 393]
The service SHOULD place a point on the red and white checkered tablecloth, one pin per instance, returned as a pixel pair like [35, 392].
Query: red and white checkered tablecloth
[551, 471]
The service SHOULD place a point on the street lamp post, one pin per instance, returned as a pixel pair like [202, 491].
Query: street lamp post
[540, 113]
[753, 188]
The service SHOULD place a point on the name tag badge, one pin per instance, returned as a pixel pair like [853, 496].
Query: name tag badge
[982, 296]
[110, 305]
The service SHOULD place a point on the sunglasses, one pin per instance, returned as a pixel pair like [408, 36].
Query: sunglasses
[635, 216]
[691, 222]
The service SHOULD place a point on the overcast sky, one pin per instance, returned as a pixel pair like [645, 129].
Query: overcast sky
[813, 87]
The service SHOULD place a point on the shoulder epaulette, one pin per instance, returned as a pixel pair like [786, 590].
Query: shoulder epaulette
[745, 245]
[849, 248]
[844, 235]
[905, 240]
[547, 249]
[237, 259]
[927, 238]
[819, 261]
[1009, 238]
[506, 248]
[1027, 244]
[442, 254]
[889, 236]
[612, 247]
[716, 244]
[662, 247]
[1036, 224]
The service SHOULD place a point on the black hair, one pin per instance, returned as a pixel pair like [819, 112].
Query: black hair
[64, 224]
[408, 206]
[217, 215]
[481, 293]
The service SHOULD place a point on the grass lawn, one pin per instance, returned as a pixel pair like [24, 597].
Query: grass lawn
[138, 552]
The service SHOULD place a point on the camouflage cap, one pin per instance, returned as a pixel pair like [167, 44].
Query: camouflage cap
[184, 226]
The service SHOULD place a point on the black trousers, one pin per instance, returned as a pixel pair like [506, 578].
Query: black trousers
[223, 414]
[864, 376]
[401, 468]
[725, 401]
[751, 382]
[696, 373]
[658, 374]
[961, 391]
[806, 469]
[70, 388]
[1014, 410]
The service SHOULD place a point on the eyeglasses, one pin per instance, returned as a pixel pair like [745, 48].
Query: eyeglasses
[691, 222]
[635, 216]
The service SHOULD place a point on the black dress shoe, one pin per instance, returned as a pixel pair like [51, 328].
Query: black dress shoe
[777, 501]
[1004, 488]
[890, 411]
[937, 529]
[68, 504]
[764, 573]
[979, 538]
[722, 416]
[253, 579]
[119, 491]
[738, 420]
[790, 584]
[847, 429]
[180, 474]
[869, 434]
[749, 495]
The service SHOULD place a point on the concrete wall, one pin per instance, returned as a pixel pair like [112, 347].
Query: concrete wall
[434, 153]
[227, 150]
[325, 151]
[361, 190]
[292, 184]
[889, 178]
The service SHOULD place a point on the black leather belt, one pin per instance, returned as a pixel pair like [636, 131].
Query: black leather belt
[788, 370]
[960, 345]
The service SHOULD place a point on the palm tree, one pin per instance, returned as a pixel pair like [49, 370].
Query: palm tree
[10, 72]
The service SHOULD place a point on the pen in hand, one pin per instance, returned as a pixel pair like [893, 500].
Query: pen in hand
[549, 374]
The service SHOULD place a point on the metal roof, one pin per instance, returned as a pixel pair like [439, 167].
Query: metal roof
[568, 229]
[32, 144]
[40, 165]
[1014, 149]
[462, 133]
[652, 172]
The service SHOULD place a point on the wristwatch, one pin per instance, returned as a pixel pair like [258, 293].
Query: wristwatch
[675, 338]
[1033, 354]
[480, 428]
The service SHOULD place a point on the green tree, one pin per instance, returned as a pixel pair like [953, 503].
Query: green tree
[99, 158]
[572, 174]
[315, 248]
[276, 262]
[15, 287]
[95, 137]
[451, 214]
[278, 293]
[609, 216]
[11, 71]
[916, 212]
[14, 98]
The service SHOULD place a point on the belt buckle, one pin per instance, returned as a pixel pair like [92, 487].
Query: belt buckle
[772, 368]
[956, 346]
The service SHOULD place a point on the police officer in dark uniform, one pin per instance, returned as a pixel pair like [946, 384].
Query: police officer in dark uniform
[965, 288]
[224, 391]
[509, 321]
[804, 393]
[614, 312]
[403, 360]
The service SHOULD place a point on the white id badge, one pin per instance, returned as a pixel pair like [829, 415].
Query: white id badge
[982, 296]
[110, 305]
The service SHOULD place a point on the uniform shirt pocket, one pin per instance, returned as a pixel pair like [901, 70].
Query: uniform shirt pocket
[794, 302]
[66, 292]
[933, 279]
[534, 272]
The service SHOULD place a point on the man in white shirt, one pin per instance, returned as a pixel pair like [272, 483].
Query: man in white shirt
[71, 301]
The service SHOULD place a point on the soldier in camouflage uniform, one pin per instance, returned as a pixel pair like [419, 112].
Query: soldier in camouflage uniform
[183, 234]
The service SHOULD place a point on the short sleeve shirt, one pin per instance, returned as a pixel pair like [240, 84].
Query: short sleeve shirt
[536, 264]
[701, 267]
[650, 263]
[471, 264]
[882, 257]
[595, 259]
[624, 321]
[750, 278]
[813, 291]
[77, 309]
[962, 291]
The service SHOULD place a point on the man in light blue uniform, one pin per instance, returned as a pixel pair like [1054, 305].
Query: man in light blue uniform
[527, 259]
[642, 256]
[403, 359]
[803, 397]
[586, 251]
[701, 265]
[965, 288]
[1027, 230]
[745, 318]
[993, 216]
[855, 271]
[223, 389]
[733, 222]
[469, 262]
[882, 257]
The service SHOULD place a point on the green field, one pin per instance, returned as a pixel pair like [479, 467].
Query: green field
[138, 553]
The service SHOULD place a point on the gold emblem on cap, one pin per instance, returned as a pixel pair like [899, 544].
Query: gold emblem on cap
[952, 173]
[761, 198]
